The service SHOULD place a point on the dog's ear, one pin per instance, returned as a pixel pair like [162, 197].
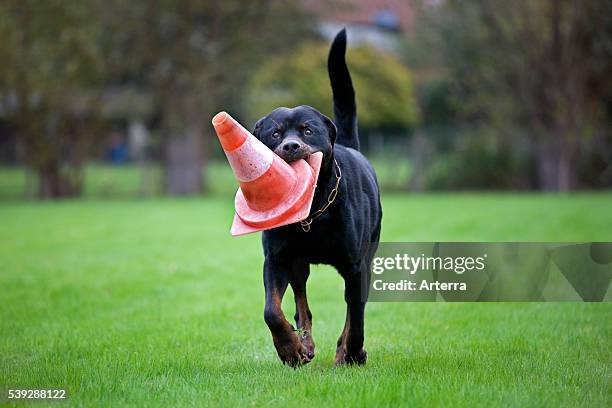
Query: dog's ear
[331, 128]
[257, 128]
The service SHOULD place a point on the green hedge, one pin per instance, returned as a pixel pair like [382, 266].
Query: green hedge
[383, 86]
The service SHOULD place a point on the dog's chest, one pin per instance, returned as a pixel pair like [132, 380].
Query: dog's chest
[322, 244]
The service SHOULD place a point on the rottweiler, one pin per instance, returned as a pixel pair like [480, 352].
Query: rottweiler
[343, 227]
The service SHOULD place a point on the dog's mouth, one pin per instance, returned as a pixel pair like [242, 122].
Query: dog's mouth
[293, 153]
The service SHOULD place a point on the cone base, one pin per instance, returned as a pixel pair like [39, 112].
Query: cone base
[240, 228]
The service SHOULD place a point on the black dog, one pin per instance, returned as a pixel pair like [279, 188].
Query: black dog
[343, 228]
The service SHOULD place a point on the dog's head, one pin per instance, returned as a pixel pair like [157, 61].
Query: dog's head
[296, 133]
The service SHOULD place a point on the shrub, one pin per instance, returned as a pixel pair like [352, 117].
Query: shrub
[480, 162]
[382, 84]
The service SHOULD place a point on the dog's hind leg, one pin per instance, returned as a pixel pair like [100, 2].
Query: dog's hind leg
[350, 344]
[288, 346]
[341, 345]
[303, 316]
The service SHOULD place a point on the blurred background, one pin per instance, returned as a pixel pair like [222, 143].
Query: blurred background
[113, 288]
[107, 98]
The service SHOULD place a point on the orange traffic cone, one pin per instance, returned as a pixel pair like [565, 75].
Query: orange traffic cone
[272, 193]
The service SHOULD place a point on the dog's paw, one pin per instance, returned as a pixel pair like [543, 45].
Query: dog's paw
[292, 352]
[306, 339]
[342, 357]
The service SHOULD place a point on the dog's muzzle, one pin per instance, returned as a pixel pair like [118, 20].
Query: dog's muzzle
[292, 149]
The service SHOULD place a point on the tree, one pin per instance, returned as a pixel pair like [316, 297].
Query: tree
[543, 64]
[192, 56]
[196, 56]
[50, 55]
[383, 86]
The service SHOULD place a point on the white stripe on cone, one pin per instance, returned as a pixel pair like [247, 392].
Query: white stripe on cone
[250, 160]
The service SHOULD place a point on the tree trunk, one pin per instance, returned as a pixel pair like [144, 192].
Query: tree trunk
[556, 162]
[566, 173]
[53, 184]
[184, 162]
[421, 151]
[547, 165]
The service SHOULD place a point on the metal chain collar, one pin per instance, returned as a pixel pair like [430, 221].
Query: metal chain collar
[330, 199]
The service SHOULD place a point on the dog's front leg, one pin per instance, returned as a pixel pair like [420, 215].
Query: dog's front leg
[288, 345]
[303, 317]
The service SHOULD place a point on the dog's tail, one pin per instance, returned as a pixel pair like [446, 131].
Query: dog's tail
[345, 110]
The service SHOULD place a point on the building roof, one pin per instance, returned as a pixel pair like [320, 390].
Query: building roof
[386, 14]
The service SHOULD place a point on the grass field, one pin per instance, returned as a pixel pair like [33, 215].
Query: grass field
[152, 303]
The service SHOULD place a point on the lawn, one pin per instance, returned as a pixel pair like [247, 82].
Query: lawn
[150, 302]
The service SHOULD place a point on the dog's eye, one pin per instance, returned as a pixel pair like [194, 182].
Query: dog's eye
[276, 134]
[307, 132]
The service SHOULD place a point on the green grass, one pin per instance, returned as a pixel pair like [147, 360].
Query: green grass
[152, 303]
